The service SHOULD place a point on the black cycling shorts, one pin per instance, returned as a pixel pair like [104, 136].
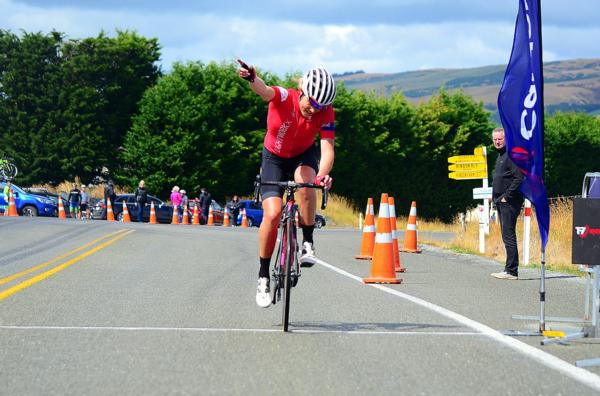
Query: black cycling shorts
[275, 168]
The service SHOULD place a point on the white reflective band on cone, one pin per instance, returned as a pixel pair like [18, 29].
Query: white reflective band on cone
[369, 228]
[413, 211]
[411, 227]
[383, 238]
[384, 211]
[394, 234]
[370, 210]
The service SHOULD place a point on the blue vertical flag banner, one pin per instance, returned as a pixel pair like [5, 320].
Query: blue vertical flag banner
[521, 108]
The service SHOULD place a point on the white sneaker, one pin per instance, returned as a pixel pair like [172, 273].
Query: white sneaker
[504, 275]
[263, 293]
[307, 258]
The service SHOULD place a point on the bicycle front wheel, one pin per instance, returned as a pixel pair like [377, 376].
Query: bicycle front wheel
[287, 280]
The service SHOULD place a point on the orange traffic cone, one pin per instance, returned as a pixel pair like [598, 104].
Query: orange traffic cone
[175, 219]
[244, 219]
[382, 268]
[397, 266]
[226, 218]
[110, 216]
[186, 217]
[211, 218]
[368, 236]
[125, 218]
[410, 238]
[152, 214]
[195, 216]
[12, 208]
[61, 209]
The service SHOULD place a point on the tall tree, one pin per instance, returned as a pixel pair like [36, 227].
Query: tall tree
[200, 126]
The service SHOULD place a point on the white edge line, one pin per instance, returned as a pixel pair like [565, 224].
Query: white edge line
[226, 330]
[579, 374]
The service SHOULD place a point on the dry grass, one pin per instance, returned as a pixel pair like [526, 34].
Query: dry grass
[558, 250]
[93, 190]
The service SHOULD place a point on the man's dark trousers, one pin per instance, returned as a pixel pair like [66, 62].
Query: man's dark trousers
[508, 223]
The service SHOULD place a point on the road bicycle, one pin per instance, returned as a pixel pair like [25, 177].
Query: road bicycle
[8, 170]
[286, 270]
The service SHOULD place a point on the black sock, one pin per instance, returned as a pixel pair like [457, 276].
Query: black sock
[307, 233]
[264, 267]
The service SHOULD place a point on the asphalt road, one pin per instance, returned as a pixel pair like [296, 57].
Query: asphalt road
[109, 308]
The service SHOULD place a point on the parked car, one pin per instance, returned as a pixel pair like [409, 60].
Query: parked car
[254, 214]
[54, 198]
[29, 204]
[164, 212]
[217, 209]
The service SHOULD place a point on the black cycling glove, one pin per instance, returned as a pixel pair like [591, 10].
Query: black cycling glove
[250, 69]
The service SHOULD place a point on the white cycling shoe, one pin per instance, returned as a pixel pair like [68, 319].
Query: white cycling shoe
[263, 293]
[307, 258]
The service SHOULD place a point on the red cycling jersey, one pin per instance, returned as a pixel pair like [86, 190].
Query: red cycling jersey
[290, 134]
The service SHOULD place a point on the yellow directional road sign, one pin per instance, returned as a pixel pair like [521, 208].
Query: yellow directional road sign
[463, 175]
[474, 166]
[459, 159]
[478, 151]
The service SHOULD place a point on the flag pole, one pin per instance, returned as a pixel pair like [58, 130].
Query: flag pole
[541, 97]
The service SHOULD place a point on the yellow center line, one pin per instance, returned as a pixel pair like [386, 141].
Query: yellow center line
[38, 278]
[54, 260]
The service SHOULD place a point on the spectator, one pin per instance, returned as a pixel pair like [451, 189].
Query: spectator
[234, 209]
[205, 200]
[184, 203]
[7, 188]
[508, 201]
[176, 200]
[109, 193]
[85, 203]
[141, 199]
[74, 201]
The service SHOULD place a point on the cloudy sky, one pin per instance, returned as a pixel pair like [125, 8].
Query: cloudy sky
[342, 35]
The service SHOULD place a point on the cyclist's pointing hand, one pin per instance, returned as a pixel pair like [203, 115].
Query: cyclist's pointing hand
[246, 72]
[324, 180]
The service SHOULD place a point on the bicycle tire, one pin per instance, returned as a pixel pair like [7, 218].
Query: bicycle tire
[8, 170]
[287, 284]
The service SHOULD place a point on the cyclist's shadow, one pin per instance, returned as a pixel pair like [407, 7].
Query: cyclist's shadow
[340, 326]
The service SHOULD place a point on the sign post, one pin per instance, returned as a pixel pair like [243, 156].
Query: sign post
[469, 167]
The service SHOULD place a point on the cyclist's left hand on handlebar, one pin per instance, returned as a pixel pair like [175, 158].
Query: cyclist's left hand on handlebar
[325, 181]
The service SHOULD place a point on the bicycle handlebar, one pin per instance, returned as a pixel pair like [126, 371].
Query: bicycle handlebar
[290, 186]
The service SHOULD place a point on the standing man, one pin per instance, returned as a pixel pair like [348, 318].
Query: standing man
[85, 203]
[508, 201]
[205, 201]
[141, 199]
[294, 119]
[74, 201]
[109, 193]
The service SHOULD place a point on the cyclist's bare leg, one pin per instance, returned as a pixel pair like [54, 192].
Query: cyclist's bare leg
[267, 233]
[307, 197]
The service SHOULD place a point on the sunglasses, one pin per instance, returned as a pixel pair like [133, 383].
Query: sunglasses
[315, 105]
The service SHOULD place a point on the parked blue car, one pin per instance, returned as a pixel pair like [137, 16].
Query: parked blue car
[254, 214]
[29, 204]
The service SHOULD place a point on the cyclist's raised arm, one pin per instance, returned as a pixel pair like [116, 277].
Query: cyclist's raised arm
[248, 73]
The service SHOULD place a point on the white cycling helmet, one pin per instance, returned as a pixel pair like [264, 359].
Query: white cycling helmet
[318, 84]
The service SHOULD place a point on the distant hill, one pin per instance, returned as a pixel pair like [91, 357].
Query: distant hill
[571, 85]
